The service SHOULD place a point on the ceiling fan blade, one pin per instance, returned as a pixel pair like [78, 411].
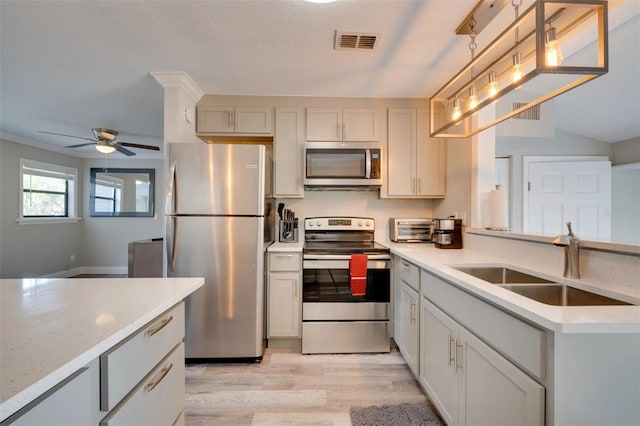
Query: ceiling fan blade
[69, 136]
[137, 145]
[80, 144]
[124, 150]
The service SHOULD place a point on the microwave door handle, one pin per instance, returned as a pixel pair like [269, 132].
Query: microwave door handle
[367, 164]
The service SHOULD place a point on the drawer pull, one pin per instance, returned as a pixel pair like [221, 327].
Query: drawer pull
[163, 373]
[153, 330]
[284, 256]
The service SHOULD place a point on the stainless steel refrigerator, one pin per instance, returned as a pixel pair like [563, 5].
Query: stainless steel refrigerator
[220, 219]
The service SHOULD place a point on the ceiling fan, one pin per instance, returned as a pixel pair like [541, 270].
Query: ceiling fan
[105, 142]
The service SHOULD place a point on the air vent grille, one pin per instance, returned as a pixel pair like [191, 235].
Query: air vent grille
[532, 113]
[353, 40]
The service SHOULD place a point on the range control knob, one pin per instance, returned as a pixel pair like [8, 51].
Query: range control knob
[310, 224]
[359, 223]
[317, 223]
[368, 223]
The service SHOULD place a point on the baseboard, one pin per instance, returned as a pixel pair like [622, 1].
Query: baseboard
[102, 270]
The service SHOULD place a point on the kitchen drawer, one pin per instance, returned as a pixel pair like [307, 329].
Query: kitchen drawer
[284, 262]
[158, 399]
[123, 366]
[409, 273]
[519, 341]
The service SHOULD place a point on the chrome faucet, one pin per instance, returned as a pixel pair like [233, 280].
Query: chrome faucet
[571, 245]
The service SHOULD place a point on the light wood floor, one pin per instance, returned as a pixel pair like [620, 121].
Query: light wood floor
[289, 388]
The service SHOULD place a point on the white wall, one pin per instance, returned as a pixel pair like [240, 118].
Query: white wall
[98, 243]
[561, 144]
[626, 152]
[459, 169]
[105, 239]
[357, 203]
[625, 205]
[35, 249]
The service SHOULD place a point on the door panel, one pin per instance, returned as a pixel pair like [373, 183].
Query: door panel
[495, 392]
[575, 191]
[228, 253]
[216, 179]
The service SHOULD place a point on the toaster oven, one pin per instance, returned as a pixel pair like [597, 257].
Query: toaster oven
[418, 230]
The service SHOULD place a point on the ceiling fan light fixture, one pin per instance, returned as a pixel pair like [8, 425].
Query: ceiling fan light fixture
[490, 71]
[105, 148]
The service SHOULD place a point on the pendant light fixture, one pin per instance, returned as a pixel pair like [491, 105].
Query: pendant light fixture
[554, 55]
[491, 74]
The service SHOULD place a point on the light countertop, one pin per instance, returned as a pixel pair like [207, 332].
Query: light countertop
[564, 319]
[50, 328]
[286, 247]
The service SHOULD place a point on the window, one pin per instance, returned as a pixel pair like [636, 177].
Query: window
[47, 192]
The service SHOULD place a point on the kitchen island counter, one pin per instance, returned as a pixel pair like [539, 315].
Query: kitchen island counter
[52, 327]
[563, 319]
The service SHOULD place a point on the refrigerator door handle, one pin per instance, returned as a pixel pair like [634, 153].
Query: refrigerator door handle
[172, 226]
[172, 191]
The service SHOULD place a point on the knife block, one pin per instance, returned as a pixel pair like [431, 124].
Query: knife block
[288, 233]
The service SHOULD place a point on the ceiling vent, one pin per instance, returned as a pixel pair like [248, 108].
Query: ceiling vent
[358, 41]
[532, 113]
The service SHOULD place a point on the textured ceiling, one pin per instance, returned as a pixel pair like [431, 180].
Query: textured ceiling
[69, 66]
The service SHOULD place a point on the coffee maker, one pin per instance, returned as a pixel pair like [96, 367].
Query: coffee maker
[447, 233]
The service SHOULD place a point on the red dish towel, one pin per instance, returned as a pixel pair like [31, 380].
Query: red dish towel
[358, 272]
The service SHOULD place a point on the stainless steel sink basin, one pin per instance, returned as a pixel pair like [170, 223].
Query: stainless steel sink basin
[537, 288]
[501, 275]
[562, 295]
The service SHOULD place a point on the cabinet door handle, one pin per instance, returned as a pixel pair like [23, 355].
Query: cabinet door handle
[459, 357]
[451, 351]
[405, 263]
[344, 131]
[161, 375]
[153, 330]
[413, 185]
[413, 312]
[419, 189]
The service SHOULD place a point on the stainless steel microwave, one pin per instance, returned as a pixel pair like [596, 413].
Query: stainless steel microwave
[343, 164]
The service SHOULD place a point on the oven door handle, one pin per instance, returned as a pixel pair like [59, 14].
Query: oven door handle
[341, 264]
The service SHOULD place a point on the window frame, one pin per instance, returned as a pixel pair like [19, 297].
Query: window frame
[70, 174]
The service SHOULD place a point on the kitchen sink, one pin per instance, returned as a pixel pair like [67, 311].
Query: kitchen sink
[562, 295]
[501, 275]
[537, 288]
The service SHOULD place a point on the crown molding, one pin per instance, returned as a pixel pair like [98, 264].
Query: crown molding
[178, 79]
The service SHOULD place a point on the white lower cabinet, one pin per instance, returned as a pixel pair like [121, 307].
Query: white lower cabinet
[469, 382]
[158, 399]
[409, 326]
[284, 295]
[139, 381]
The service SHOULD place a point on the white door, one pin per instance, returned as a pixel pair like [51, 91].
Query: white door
[494, 391]
[408, 317]
[574, 191]
[438, 337]
[284, 304]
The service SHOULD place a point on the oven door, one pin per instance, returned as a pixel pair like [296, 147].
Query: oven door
[328, 281]
[335, 321]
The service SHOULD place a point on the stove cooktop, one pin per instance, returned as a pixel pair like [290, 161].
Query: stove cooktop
[344, 247]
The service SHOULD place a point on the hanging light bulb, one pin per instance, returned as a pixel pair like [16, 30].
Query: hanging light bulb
[516, 71]
[457, 112]
[105, 148]
[552, 47]
[473, 97]
[493, 84]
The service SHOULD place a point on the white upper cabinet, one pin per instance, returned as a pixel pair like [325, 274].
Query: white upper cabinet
[288, 149]
[415, 162]
[342, 125]
[235, 119]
